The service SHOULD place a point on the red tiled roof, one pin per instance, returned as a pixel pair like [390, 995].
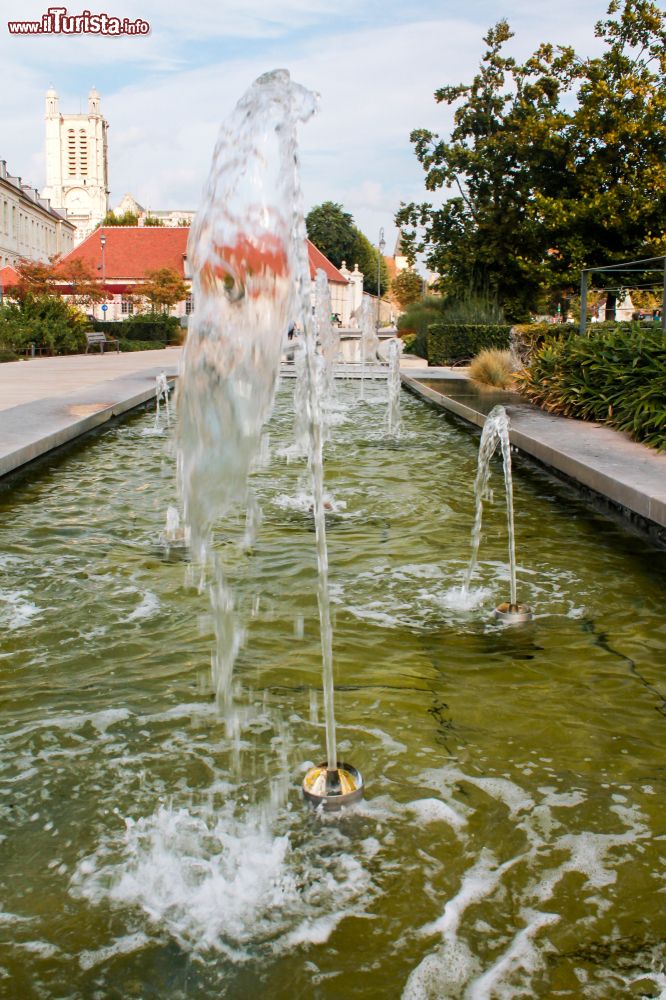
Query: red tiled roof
[9, 276]
[317, 260]
[130, 251]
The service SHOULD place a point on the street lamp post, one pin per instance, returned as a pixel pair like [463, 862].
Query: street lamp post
[381, 247]
[102, 241]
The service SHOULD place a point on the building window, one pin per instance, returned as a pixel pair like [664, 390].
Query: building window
[126, 306]
[189, 304]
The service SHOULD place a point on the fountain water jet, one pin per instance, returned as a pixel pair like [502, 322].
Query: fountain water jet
[332, 784]
[369, 340]
[393, 412]
[162, 394]
[251, 279]
[496, 432]
[242, 255]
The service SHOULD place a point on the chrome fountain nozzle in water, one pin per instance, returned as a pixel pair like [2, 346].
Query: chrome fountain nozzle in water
[333, 789]
[513, 614]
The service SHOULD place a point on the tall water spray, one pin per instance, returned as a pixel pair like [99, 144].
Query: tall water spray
[496, 433]
[251, 280]
[162, 395]
[393, 420]
[246, 262]
[369, 339]
[328, 341]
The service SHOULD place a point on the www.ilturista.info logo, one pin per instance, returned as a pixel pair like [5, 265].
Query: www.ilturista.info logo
[57, 21]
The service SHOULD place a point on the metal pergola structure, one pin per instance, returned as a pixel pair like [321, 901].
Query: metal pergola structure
[626, 267]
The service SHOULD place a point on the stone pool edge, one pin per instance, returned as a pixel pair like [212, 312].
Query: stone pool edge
[624, 474]
[23, 434]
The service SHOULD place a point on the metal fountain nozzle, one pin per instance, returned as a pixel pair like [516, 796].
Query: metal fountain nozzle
[513, 614]
[333, 788]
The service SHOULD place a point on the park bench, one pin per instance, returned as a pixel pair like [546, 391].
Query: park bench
[101, 339]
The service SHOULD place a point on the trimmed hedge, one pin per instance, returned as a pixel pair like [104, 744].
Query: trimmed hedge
[144, 327]
[614, 375]
[451, 342]
[140, 345]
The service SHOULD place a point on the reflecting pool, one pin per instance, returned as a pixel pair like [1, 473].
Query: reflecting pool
[512, 842]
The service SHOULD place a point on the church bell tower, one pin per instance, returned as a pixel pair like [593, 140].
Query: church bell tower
[77, 174]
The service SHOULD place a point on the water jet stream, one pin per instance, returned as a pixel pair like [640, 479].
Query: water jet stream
[495, 432]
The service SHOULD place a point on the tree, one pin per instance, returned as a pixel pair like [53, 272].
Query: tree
[407, 287]
[164, 288]
[36, 280]
[85, 286]
[126, 219]
[552, 165]
[152, 220]
[331, 229]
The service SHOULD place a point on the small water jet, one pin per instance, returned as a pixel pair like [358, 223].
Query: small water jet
[369, 340]
[393, 384]
[496, 432]
[175, 539]
[162, 395]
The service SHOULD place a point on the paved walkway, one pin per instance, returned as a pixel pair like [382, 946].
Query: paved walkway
[46, 402]
[608, 462]
[37, 378]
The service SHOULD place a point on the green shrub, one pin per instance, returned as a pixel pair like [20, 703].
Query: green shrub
[47, 322]
[615, 375]
[416, 319]
[526, 338]
[6, 354]
[473, 307]
[451, 342]
[140, 345]
[145, 326]
[408, 340]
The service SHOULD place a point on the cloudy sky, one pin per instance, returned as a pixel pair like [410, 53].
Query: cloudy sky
[376, 64]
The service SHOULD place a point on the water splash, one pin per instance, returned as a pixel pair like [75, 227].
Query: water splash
[495, 432]
[369, 339]
[245, 258]
[175, 535]
[393, 420]
[329, 345]
[162, 395]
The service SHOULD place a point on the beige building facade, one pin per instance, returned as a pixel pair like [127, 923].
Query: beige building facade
[30, 228]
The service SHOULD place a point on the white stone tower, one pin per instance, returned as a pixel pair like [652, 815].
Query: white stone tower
[77, 174]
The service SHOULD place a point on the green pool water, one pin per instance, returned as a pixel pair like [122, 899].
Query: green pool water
[513, 838]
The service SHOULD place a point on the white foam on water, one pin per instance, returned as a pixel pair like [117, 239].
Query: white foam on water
[218, 883]
[13, 918]
[522, 954]
[42, 948]
[652, 981]
[436, 811]
[479, 882]
[101, 721]
[121, 946]
[446, 972]
[148, 608]
[461, 599]
[18, 610]
[303, 503]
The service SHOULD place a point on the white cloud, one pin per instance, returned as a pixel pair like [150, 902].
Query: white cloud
[376, 80]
